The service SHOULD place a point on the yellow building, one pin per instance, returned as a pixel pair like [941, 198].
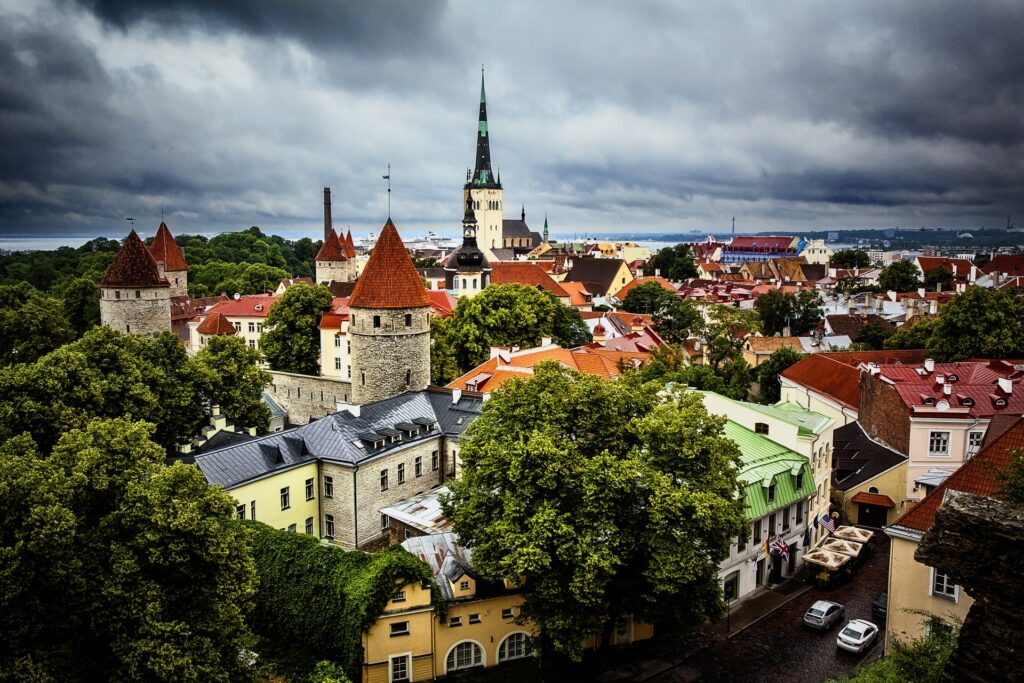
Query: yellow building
[410, 641]
[285, 498]
[868, 478]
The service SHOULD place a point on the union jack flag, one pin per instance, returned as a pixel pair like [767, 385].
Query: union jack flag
[826, 521]
[781, 548]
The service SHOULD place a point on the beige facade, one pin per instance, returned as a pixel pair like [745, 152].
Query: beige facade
[817, 402]
[816, 252]
[937, 443]
[915, 592]
[487, 206]
[248, 328]
[892, 483]
[336, 352]
[286, 500]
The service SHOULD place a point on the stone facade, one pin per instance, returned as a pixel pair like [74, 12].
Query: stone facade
[358, 494]
[145, 311]
[883, 415]
[305, 397]
[336, 271]
[390, 352]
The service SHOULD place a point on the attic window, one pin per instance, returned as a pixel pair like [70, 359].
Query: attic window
[358, 443]
[462, 418]
[999, 402]
[771, 492]
[966, 401]
[952, 378]
[760, 428]
[929, 400]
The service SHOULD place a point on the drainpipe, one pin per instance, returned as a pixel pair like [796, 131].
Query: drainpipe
[355, 505]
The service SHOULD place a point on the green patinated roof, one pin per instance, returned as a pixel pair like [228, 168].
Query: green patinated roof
[762, 462]
[808, 422]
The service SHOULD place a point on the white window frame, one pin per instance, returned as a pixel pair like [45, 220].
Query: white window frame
[972, 449]
[483, 656]
[407, 656]
[955, 597]
[931, 451]
[393, 633]
[526, 649]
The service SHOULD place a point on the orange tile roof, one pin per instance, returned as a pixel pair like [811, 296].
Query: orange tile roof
[349, 245]
[770, 344]
[249, 306]
[441, 302]
[525, 273]
[873, 499]
[578, 293]
[133, 266]
[665, 284]
[216, 324]
[165, 249]
[332, 321]
[332, 250]
[389, 279]
[958, 266]
[835, 374]
[977, 476]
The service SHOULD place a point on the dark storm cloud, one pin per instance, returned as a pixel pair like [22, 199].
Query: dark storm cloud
[639, 116]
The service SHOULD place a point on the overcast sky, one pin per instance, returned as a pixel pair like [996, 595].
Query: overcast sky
[625, 116]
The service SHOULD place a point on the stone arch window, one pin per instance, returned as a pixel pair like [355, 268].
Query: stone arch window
[515, 646]
[464, 655]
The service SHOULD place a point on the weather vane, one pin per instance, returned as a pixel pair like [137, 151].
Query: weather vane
[388, 178]
[131, 221]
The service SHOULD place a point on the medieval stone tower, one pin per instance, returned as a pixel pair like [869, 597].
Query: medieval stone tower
[170, 261]
[484, 189]
[134, 297]
[335, 262]
[389, 324]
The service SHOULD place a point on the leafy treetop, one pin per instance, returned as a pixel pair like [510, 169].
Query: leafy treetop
[291, 342]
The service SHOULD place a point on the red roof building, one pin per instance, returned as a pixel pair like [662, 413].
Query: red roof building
[835, 376]
[164, 249]
[349, 246]
[389, 279]
[215, 324]
[332, 249]
[249, 306]
[133, 267]
[526, 273]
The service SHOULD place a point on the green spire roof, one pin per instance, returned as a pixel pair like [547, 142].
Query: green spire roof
[483, 176]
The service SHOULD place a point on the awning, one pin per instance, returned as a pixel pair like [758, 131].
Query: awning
[838, 545]
[873, 499]
[852, 533]
[826, 559]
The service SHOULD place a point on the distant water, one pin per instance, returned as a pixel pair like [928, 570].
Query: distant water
[43, 243]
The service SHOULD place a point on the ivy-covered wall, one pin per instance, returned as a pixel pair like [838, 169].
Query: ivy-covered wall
[314, 601]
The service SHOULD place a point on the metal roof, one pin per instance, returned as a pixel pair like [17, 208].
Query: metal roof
[764, 462]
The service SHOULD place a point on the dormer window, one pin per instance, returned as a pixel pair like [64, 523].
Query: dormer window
[771, 492]
[799, 483]
[929, 401]
[952, 378]
[760, 428]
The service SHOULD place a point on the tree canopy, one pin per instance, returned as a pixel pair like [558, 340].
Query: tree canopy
[850, 258]
[106, 374]
[507, 315]
[116, 567]
[979, 323]
[799, 312]
[648, 297]
[605, 499]
[31, 324]
[899, 276]
[674, 263]
[768, 373]
[291, 342]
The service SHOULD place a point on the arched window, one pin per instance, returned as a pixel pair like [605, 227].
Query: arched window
[873, 489]
[464, 283]
[515, 646]
[465, 655]
[474, 283]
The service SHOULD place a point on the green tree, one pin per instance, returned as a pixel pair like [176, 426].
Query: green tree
[979, 323]
[116, 567]
[603, 498]
[873, 336]
[808, 309]
[292, 340]
[939, 277]
[649, 297]
[31, 324]
[768, 373]
[81, 303]
[678, 320]
[444, 367]
[1011, 480]
[568, 329]
[776, 310]
[913, 335]
[230, 377]
[732, 322]
[982, 260]
[675, 263]
[899, 276]
[850, 258]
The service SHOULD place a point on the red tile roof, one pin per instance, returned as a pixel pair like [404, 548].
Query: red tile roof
[165, 249]
[525, 273]
[1008, 264]
[215, 323]
[665, 284]
[873, 499]
[977, 476]
[332, 321]
[975, 390]
[578, 294]
[184, 308]
[958, 266]
[350, 247]
[836, 375]
[760, 243]
[441, 302]
[249, 306]
[332, 249]
[389, 279]
[133, 266]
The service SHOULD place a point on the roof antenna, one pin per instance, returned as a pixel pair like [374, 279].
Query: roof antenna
[132, 221]
[388, 178]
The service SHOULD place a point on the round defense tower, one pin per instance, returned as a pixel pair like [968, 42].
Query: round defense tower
[134, 297]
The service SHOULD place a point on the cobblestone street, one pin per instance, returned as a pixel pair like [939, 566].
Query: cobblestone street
[780, 648]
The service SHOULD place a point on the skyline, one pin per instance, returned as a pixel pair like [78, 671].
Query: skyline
[672, 119]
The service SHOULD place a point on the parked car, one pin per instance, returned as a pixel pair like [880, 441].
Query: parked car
[880, 607]
[857, 635]
[823, 615]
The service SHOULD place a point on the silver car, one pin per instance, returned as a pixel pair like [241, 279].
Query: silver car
[824, 615]
[857, 635]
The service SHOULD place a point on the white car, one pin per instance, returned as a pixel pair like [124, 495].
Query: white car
[857, 635]
[824, 614]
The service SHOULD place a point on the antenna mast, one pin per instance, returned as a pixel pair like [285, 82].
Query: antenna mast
[388, 178]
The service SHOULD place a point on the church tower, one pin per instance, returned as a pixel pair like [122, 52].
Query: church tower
[389, 324]
[134, 297]
[483, 188]
[468, 271]
[171, 263]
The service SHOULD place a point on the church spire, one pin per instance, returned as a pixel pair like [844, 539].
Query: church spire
[545, 228]
[483, 176]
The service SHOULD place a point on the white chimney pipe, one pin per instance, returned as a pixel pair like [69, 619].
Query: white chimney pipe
[1005, 385]
[929, 365]
[456, 395]
[947, 390]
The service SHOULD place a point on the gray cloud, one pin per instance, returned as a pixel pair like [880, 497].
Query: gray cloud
[607, 116]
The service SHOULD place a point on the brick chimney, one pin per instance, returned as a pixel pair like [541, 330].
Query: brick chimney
[328, 223]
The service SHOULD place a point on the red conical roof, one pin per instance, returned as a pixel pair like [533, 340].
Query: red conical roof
[165, 249]
[133, 266]
[215, 323]
[389, 280]
[350, 246]
[332, 249]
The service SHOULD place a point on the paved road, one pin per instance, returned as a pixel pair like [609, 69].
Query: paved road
[780, 648]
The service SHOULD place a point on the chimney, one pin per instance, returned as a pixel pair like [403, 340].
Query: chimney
[456, 396]
[929, 365]
[328, 223]
[1005, 385]
[545, 341]
[947, 390]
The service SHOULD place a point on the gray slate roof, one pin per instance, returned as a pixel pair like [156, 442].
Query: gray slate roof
[445, 557]
[514, 227]
[599, 272]
[339, 437]
[858, 458]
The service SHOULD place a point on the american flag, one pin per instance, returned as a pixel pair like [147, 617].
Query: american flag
[826, 521]
[781, 548]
